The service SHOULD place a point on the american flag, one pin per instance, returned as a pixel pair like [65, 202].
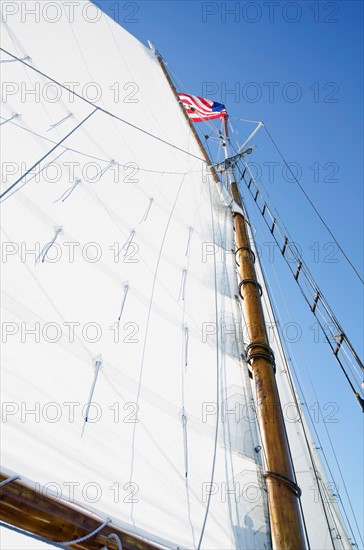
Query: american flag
[200, 109]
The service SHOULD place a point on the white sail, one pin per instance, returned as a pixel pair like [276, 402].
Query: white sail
[147, 454]
[119, 299]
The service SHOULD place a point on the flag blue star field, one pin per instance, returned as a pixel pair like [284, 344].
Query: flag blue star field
[200, 109]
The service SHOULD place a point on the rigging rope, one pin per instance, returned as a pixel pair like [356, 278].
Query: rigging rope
[185, 343]
[68, 191]
[56, 124]
[322, 498]
[183, 284]
[89, 535]
[317, 297]
[81, 539]
[35, 175]
[101, 172]
[97, 367]
[124, 166]
[269, 298]
[199, 127]
[148, 320]
[283, 358]
[217, 381]
[270, 301]
[314, 207]
[297, 377]
[293, 483]
[49, 245]
[103, 110]
[185, 439]
[47, 154]
[116, 539]
[15, 115]
[190, 229]
[126, 289]
[146, 213]
[26, 58]
[9, 480]
[127, 243]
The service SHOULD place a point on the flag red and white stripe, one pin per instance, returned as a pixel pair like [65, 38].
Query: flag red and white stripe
[200, 109]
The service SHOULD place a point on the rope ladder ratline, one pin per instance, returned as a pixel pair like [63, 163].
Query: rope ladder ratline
[314, 208]
[316, 301]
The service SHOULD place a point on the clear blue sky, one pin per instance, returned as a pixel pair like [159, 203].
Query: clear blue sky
[312, 51]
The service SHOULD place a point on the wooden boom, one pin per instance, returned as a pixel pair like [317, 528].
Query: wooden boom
[59, 520]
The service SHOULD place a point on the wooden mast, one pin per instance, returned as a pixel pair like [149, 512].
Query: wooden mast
[285, 517]
[283, 494]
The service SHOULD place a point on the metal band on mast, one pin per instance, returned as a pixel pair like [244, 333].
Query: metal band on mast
[285, 517]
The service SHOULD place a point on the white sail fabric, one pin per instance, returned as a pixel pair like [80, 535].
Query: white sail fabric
[117, 281]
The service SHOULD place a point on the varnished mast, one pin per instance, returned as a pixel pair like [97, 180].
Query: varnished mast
[283, 494]
[285, 517]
